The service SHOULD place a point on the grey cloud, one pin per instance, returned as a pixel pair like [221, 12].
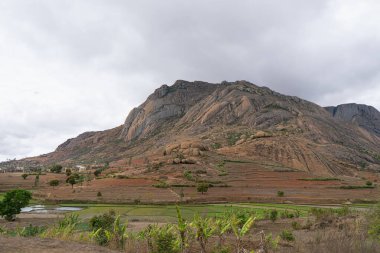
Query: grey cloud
[71, 66]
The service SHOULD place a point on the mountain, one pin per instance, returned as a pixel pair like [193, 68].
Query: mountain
[364, 116]
[199, 122]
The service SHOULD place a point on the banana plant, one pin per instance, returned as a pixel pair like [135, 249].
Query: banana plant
[120, 232]
[183, 231]
[222, 226]
[204, 229]
[148, 234]
[240, 232]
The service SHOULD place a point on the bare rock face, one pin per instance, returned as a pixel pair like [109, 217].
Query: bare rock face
[364, 116]
[165, 105]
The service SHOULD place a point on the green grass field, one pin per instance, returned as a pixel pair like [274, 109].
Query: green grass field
[167, 213]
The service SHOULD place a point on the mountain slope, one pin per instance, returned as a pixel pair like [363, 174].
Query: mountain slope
[201, 121]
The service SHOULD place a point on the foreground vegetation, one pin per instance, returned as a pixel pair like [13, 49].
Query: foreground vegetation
[221, 230]
[210, 228]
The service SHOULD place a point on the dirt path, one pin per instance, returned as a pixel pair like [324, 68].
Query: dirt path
[38, 245]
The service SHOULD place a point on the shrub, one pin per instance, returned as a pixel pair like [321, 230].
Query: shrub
[56, 168]
[296, 225]
[188, 175]
[374, 222]
[30, 231]
[368, 183]
[99, 194]
[97, 172]
[54, 182]
[202, 187]
[232, 138]
[287, 215]
[287, 235]
[24, 176]
[273, 214]
[216, 145]
[122, 177]
[280, 194]
[163, 185]
[13, 202]
[329, 213]
[101, 224]
[165, 240]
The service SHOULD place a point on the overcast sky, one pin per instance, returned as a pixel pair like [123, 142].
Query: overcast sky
[78, 65]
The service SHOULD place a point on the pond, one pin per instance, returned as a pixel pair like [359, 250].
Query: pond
[49, 209]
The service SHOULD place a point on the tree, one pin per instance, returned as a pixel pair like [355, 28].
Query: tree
[68, 172]
[37, 180]
[56, 168]
[97, 173]
[72, 180]
[54, 182]
[13, 202]
[202, 187]
[24, 176]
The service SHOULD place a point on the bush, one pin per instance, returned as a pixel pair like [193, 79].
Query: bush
[30, 231]
[273, 214]
[329, 213]
[13, 202]
[54, 182]
[97, 172]
[163, 185]
[287, 215]
[202, 187]
[56, 168]
[188, 175]
[280, 194]
[99, 194]
[374, 222]
[24, 176]
[296, 225]
[122, 177]
[166, 240]
[368, 183]
[287, 235]
[102, 223]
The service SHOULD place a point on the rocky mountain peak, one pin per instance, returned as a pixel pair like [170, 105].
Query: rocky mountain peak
[364, 116]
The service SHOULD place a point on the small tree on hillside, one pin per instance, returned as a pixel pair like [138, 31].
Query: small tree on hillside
[71, 180]
[202, 188]
[97, 173]
[54, 183]
[68, 172]
[13, 202]
[24, 176]
[37, 180]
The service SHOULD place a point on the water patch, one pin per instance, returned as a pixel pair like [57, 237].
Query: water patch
[49, 209]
